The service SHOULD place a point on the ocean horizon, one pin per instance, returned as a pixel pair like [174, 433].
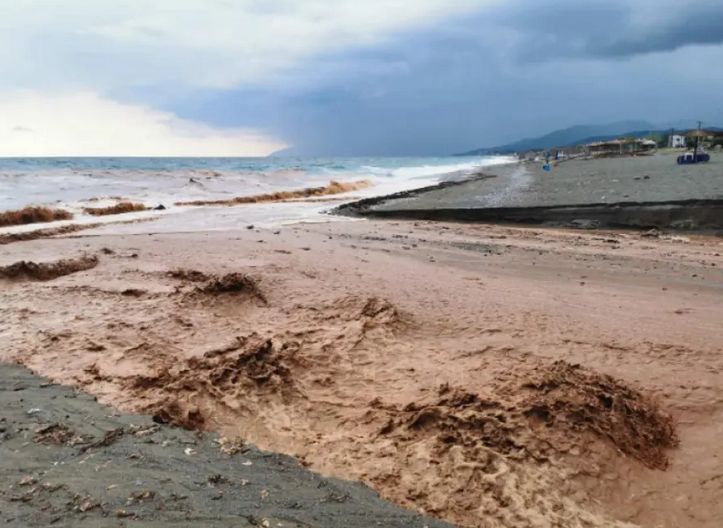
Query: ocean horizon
[75, 183]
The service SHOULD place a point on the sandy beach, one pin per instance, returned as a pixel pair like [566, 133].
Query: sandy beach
[643, 192]
[483, 375]
[361, 264]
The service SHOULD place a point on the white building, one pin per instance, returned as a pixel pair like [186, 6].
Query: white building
[676, 141]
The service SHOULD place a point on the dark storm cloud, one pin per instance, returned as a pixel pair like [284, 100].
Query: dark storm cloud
[610, 28]
[518, 70]
[692, 28]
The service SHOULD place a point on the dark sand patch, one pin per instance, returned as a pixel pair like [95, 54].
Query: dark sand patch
[45, 271]
[188, 275]
[134, 292]
[637, 193]
[125, 469]
[690, 215]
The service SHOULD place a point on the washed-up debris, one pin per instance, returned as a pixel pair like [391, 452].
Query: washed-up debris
[108, 438]
[44, 271]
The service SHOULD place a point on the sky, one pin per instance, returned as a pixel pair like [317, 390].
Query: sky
[345, 77]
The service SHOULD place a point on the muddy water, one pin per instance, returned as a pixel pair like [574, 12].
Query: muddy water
[65, 460]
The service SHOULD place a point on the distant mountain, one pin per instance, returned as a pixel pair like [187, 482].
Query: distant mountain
[288, 152]
[654, 134]
[573, 135]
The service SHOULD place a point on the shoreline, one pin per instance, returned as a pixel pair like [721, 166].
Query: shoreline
[550, 206]
[702, 216]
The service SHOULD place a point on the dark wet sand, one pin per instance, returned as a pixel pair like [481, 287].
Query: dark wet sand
[66, 460]
[654, 178]
[642, 192]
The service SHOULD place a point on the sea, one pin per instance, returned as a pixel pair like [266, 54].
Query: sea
[76, 183]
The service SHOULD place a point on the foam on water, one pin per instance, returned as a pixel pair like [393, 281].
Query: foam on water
[75, 183]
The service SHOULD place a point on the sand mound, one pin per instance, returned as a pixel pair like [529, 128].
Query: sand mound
[334, 187]
[43, 271]
[371, 312]
[380, 310]
[379, 318]
[232, 283]
[119, 208]
[460, 418]
[567, 400]
[226, 376]
[504, 456]
[571, 397]
[32, 215]
[474, 461]
[188, 275]
[351, 324]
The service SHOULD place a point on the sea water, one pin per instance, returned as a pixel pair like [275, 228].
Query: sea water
[76, 183]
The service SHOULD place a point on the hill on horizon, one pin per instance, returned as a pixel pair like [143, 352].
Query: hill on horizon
[573, 135]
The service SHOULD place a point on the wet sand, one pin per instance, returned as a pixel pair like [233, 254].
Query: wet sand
[66, 460]
[643, 192]
[656, 178]
[484, 375]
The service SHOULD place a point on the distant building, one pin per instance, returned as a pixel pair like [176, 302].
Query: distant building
[621, 147]
[647, 144]
[676, 141]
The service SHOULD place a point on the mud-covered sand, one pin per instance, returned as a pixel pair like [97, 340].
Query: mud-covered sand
[487, 376]
[44, 271]
[66, 460]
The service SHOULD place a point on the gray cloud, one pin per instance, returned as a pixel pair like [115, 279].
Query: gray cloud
[693, 28]
[522, 69]
[611, 28]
